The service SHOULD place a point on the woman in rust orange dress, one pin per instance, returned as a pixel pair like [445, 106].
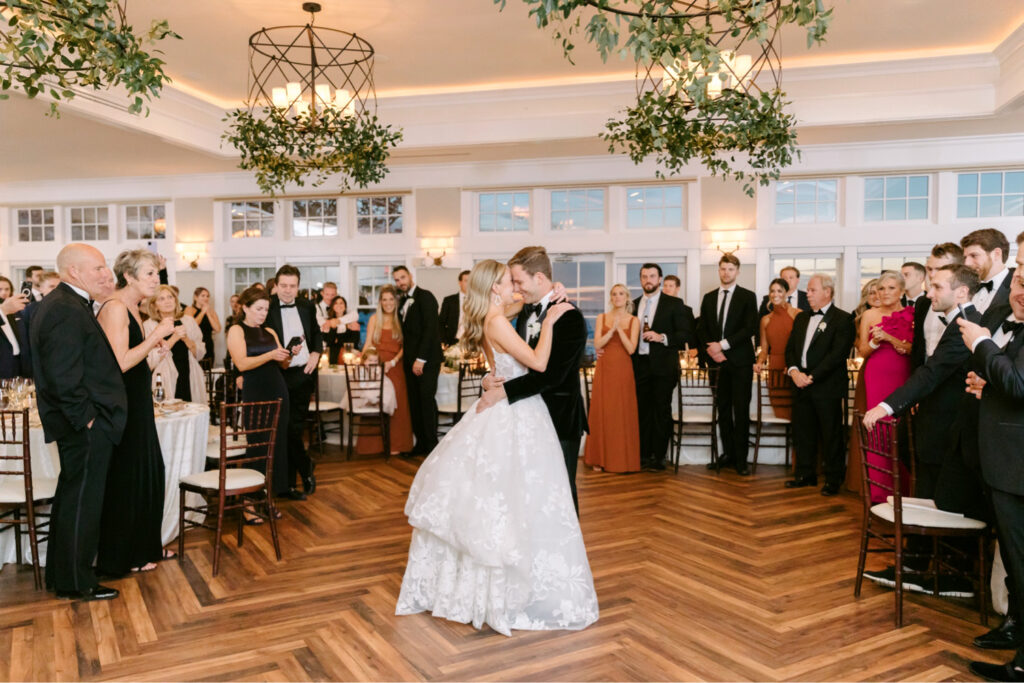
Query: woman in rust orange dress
[384, 334]
[775, 330]
[614, 440]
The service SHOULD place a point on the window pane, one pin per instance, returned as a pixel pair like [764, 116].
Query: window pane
[874, 188]
[577, 199]
[895, 209]
[559, 201]
[873, 210]
[990, 206]
[895, 187]
[394, 205]
[673, 217]
[1013, 205]
[967, 183]
[655, 218]
[806, 191]
[103, 232]
[673, 195]
[918, 186]
[1014, 183]
[363, 225]
[396, 224]
[486, 203]
[967, 207]
[362, 206]
[805, 213]
[503, 221]
[378, 206]
[826, 190]
[653, 196]
[783, 213]
[635, 218]
[487, 222]
[559, 220]
[917, 209]
[578, 219]
[827, 212]
[634, 198]
[595, 199]
[784, 191]
[991, 183]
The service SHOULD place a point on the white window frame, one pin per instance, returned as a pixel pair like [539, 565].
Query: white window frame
[123, 214]
[406, 227]
[906, 199]
[978, 195]
[790, 258]
[682, 207]
[795, 181]
[111, 223]
[275, 222]
[338, 212]
[530, 211]
[549, 222]
[16, 224]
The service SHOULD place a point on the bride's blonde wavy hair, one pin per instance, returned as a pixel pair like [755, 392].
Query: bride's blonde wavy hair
[482, 279]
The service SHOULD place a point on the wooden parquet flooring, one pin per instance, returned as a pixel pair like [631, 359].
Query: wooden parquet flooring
[699, 577]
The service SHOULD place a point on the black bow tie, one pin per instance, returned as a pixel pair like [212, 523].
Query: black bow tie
[814, 313]
[532, 309]
[291, 305]
[1012, 327]
[985, 285]
[942, 319]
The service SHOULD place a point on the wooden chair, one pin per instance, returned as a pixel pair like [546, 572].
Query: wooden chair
[321, 414]
[774, 391]
[889, 523]
[231, 486]
[20, 492]
[694, 413]
[210, 377]
[587, 369]
[364, 402]
[470, 387]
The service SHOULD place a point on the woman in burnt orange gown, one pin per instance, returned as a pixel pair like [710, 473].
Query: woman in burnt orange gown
[384, 334]
[614, 440]
[775, 330]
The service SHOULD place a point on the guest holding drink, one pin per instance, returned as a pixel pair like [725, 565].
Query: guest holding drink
[177, 360]
[258, 355]
[884, 340]
[614, 440]
[338, 333]
[776, 326]
[384, 333]
[133, 506]
[204, 315]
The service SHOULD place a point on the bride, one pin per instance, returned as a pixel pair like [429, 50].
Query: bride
[496, 539]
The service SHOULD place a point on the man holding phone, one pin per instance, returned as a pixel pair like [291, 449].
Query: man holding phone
[33, 278]
[294, 320]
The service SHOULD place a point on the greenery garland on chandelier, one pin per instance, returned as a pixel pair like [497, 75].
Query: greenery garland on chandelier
[54, 46]
[698, 97]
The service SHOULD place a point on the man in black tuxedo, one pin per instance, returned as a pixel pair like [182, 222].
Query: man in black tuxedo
[667, 326]
[451, 312]
[913, 283]
[816, 361]
[998, 368]
[927, 328]
[559, 384]
[292, 319]
[14, 358]
[421, 357]
[728, 318]
[83, 407]
[796, 297]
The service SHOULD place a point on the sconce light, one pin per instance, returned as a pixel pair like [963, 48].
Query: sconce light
[191, 252]
[435, 249]
[727, 236]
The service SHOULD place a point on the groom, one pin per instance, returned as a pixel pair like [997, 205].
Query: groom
[559, 384]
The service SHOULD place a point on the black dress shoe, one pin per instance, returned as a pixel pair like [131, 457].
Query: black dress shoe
[95, 593]
[1006, 636]
[294, 494]
[997, 672]
[309, 481]
[800, 482]
[657, 466]
[722, 461]
[743, 470]
[830, 489]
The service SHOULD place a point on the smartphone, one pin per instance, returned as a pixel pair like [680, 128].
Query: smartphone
[293, 342]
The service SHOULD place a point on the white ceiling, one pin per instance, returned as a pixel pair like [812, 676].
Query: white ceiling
[427, 50]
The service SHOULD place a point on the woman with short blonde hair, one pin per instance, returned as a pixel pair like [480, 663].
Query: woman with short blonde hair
[178, 364]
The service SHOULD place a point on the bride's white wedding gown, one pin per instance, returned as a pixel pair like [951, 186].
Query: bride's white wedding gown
[496, 539]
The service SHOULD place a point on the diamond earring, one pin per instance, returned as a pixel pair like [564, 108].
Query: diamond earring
[495, 299]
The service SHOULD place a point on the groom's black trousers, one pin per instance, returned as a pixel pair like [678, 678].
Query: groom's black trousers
[571, 453]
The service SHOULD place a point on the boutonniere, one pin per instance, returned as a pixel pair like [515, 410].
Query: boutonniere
[822, 326]
[533, 328]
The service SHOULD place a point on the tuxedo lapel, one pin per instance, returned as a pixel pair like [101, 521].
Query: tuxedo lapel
[521, 324]
[817, 332]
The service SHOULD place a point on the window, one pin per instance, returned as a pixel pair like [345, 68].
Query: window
[315, 218]
[805, 201]
[983, 195]
[584, 283]
[242, 277]
[896, 198]
[577, 209]
[632, 280]
[90, 223]
[379, 215]
[313, 277]
[18, 272]
[252, 219]
[369, 280]
[654, 207]
[504, 211]
[35, 225]
[807, 265]
[145, 221]
[872, 266]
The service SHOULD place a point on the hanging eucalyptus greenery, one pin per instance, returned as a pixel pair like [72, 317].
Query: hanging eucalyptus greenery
[54, 46]
[693, 100]
[285, 148]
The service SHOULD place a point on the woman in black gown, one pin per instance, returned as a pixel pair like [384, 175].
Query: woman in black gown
[256, 353]
[205, 316]
[134, 501]
[337, 333]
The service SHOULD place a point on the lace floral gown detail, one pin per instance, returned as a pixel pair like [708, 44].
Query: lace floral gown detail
[496, 539]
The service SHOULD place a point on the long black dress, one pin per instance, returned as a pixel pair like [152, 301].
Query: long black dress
[134, 501]
[266, 383]
[180, 354]
[207, 329]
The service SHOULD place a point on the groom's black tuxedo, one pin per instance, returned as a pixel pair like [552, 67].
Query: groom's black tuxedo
[559, 384]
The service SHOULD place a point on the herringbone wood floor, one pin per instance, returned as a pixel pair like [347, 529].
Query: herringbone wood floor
[699, 577]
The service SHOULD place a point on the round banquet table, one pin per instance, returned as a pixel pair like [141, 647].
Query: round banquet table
[183, 438]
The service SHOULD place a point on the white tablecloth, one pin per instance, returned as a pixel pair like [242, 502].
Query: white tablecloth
[183, 438]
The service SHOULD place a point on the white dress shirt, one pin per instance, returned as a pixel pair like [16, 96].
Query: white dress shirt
[982, 298]
[648, 307]
[1000, 338]
[321, 312]
[933, 331]
[731, 289]
[291, 327]
[950, 317]
[534, 319]
[8, 330]
[812, 327]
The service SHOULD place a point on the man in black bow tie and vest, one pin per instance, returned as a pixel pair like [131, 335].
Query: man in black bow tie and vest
[417, 310]
[294, 320]
[816, 362]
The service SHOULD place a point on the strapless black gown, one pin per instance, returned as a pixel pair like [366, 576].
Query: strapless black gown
[266, 383]
[134, 501]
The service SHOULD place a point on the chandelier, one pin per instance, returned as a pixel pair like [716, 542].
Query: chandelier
[311, 109]
[708, 78]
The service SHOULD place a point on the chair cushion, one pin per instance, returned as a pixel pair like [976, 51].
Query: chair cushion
[236, 478]
[447, 408]
[325, 406]
[12, 489]
[927, 516]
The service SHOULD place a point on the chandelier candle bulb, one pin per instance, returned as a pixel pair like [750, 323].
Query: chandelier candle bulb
[323, 94]
[280, 98]
[294, 92]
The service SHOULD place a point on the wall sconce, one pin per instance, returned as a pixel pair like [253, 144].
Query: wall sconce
[435, 249]
[726, 237]
[160, 227]
[191, 252]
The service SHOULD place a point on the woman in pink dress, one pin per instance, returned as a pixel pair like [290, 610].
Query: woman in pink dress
[884, 339]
